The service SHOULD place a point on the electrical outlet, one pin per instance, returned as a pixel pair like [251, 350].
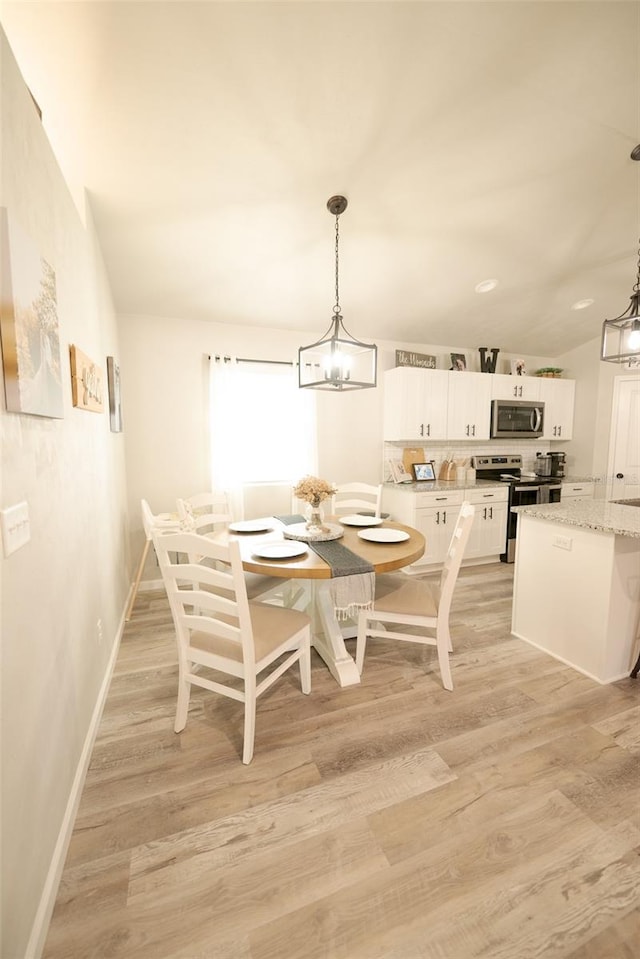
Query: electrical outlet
[15, 527]
[99, 631]
[563, 542]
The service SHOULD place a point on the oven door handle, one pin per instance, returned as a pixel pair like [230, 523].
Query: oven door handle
[524, 489]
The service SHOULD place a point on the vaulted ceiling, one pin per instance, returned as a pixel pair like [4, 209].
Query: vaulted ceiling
[473, 140]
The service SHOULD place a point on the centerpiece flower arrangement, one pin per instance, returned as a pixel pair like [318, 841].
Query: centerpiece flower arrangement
[314, 491]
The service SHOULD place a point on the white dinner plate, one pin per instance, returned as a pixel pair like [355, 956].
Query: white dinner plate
[358, 519]
[251, 526]
[278, 550]
[384, 535]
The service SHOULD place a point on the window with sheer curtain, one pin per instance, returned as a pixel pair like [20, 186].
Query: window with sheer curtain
[263, 426]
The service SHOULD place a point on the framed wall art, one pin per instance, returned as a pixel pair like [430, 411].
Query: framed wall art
[458, 361]
[113, 384]
[87, 389]
[29, 326]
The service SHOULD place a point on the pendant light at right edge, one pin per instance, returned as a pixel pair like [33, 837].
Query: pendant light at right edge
[621, 336]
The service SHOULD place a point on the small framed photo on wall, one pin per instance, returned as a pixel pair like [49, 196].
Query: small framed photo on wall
[458, 362]
[115, 407]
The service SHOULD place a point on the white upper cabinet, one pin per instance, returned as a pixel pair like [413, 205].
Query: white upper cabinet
[558, 396]
[427, 405]
[506, 387]
[415, 404]
[469, 412]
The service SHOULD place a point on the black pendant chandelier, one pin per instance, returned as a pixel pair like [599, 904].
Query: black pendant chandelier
[337, 361]
[621, 337]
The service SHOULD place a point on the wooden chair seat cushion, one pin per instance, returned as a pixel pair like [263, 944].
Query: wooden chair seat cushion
[272, 626]
[408, 598]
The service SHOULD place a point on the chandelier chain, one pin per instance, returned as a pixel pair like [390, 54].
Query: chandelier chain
[636, 288]
[336, 308]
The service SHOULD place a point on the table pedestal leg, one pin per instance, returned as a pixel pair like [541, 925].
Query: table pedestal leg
[328, 639]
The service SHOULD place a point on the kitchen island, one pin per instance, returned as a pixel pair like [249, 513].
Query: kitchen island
[577, 584]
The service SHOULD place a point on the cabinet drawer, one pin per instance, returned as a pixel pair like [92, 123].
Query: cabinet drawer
[454, 498]
[480, 496]
[577, 489]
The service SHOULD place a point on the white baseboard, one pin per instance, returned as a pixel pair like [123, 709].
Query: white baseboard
[47, 902]
[602, 682]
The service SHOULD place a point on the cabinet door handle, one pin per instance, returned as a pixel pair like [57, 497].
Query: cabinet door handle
[491, 512]
[467, 430]
[473, 430]
[444, 516]
[438, 518]
[428, 429]
[484, 516]
[421, 429]
[559, 431]
[515, 390]
[520, 391]
[440, 499]
[488, 495]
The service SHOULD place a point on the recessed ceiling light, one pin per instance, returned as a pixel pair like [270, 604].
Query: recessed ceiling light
[582, 304]
[486, 286]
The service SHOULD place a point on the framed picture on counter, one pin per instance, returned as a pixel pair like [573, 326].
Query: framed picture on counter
[424, 471]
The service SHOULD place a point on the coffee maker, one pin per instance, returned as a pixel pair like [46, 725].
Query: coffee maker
[550, 464]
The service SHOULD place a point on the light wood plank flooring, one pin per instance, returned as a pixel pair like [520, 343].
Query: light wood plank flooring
[391, 820]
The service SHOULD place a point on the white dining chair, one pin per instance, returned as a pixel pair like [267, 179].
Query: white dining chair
[418, 604]
[150, 522]
[209, 512]
[356, 498]
[218, 629]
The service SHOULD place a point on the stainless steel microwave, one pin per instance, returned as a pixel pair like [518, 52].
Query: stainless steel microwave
[517, 419]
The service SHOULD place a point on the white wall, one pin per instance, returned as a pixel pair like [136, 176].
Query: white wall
[73, 572]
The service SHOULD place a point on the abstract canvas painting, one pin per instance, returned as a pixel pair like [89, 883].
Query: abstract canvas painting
[29, 326]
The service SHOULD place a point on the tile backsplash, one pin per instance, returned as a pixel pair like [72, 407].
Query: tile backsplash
[462, 452]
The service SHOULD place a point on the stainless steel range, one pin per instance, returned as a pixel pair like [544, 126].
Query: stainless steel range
[525, 489]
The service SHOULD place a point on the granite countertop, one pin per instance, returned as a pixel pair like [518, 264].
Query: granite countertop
[441, 486]
[623, 520]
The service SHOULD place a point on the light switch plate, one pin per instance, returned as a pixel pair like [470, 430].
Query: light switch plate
[14, 522]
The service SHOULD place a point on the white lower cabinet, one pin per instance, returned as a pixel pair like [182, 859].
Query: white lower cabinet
[577, 491]
[488, 535]
[435, 513]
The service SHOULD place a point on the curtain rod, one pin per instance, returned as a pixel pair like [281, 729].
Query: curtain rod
[244, 359]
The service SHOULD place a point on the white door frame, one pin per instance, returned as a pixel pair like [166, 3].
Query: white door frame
[632, 377]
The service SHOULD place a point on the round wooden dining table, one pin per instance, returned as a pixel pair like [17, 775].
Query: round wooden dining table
[328, 633]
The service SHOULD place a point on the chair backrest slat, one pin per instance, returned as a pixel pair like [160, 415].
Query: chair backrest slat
[221, 609]
[351, 497]
[455, 552]
[204, 512]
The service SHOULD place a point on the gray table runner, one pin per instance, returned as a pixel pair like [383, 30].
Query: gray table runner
[352, 577]
[342, 560]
